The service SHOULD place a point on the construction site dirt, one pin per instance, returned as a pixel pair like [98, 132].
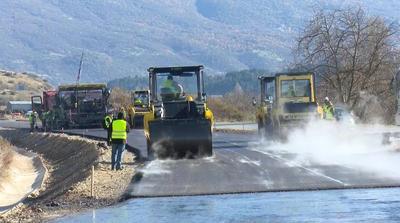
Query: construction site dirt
[68, 186]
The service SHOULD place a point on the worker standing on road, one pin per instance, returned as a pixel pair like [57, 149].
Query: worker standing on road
[106, 125]
[328, 110]
[44, 119]
[32, 120]
[119, 129]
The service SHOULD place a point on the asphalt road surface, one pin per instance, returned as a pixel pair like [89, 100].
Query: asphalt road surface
[240, 164]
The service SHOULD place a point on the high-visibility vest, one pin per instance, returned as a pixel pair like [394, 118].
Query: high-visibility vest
[328, 112]
[138, 101]
[169, 84]
[119, 129]
[32, 118]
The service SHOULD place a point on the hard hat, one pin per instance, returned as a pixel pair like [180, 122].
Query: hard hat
[189, 98]
[326, 99]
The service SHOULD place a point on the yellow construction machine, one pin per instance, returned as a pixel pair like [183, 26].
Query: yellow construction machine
[287, 101]
[139, 108]
[179, 124]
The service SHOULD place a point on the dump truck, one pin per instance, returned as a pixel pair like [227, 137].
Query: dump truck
[180, 123]
[73, 106]
[288, 101]
[140, 106]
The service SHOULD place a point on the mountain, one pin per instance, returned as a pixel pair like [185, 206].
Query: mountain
[124, 37]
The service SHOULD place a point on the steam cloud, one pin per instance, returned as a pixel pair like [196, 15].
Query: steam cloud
[358, 147]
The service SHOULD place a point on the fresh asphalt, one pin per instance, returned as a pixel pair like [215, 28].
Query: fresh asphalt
[239, 164]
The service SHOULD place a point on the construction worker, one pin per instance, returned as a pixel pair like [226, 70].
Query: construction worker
[32, 120]
[138, 102]
[328, 110]
[171, 89]
[106, 125]
[45, 116]
[119, 129]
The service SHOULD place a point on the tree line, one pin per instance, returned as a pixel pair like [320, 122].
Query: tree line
[214, 84]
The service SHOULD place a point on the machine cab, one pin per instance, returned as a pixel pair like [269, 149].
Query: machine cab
[141, 99]
[296, 92]
[177, 92]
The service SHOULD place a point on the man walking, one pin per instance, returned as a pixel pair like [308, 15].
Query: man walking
[119, 129]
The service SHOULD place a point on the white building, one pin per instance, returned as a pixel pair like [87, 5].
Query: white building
[19, 106]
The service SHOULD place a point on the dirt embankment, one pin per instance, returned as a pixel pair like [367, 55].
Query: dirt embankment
[67, 189]
[6, 157]
[22, 173]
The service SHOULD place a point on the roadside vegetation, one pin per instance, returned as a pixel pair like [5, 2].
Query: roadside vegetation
[234, 106]
[120, 98]
[214, 84]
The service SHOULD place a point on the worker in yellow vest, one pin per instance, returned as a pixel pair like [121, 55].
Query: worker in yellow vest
[171, 89]
[119, 134]
[106, 125]
[329, 111]
[32, 120]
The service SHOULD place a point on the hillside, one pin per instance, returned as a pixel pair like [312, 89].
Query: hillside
[124, 37]
[20, 86]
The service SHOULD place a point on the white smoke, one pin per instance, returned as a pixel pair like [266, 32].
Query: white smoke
[359, 147]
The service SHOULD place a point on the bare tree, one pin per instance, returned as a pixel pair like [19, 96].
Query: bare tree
[352, 54]
[120, 98]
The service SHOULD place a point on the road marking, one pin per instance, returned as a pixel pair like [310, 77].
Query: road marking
[296, 164]
[268, 182]
[291, 162]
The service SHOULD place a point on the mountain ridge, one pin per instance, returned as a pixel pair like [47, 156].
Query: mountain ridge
[123, 38]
